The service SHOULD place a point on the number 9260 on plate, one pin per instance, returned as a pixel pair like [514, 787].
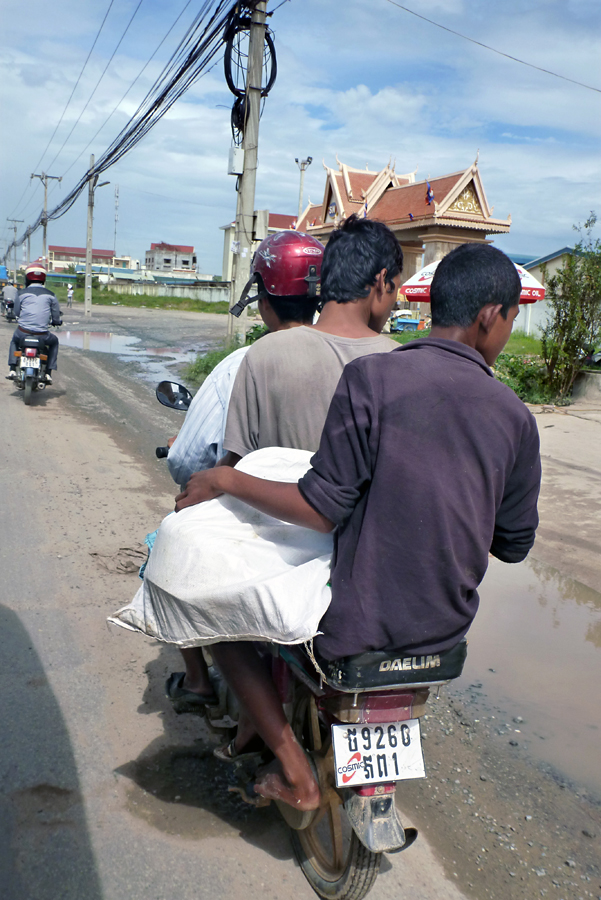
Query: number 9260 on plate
[371, 754]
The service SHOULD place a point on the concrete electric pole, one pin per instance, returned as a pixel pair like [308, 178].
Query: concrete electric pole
[246, 186]
[14, 227]
[45, 179]
[303, 165]
[92, 185]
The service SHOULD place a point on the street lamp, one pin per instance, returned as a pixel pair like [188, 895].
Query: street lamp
[303, 164]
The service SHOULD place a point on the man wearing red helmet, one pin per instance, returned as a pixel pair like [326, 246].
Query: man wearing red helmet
[290, 301]
[35, 308]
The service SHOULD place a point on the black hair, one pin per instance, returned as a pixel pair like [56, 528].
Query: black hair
[293, 309]
[356, 252]
[468, 278]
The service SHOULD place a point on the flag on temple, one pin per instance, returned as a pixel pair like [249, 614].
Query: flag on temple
[365, 210]
[429, 193]
[411, 217]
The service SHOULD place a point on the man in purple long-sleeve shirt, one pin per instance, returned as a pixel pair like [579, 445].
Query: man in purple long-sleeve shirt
[426, 464]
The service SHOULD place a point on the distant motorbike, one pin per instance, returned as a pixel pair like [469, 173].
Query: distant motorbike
[32, 359]
[8, 310]
[357, 719]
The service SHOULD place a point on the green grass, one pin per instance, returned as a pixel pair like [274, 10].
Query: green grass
[196, 372]
[112, 298]
[519, 344]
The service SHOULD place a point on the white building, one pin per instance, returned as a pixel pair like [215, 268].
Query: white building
[178, 259]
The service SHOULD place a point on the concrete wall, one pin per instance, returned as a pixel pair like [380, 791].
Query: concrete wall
[208, 293]
[534, 316]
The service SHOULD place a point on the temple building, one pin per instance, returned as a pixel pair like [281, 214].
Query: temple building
[429, 217]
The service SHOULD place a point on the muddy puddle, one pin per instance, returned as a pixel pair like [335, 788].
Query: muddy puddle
[156, 362]
[535, 655]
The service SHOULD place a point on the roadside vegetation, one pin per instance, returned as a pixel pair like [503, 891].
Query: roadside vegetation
[141, 301]
[196, 372]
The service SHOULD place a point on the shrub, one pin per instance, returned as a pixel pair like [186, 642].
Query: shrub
[574, 295]
[526, 375]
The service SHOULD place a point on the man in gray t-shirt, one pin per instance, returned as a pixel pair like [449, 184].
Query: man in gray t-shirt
[284, 385]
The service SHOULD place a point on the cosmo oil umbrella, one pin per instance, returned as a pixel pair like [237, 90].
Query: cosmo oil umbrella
[417, 288]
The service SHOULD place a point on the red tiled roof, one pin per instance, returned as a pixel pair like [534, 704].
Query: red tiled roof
[80, 251]
[396, 204]
[361, 181]
[313, 217]
[181, 248]
[279, 220]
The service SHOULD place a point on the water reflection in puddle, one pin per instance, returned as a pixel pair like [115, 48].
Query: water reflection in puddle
[541, 633]
[128, 347]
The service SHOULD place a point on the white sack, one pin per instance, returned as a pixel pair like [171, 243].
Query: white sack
[223, 571]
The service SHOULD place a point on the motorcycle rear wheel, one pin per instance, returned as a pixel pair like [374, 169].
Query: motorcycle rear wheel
[333, 860]
[28, 390]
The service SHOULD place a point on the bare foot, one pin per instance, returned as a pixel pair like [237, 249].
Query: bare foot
[272, 784]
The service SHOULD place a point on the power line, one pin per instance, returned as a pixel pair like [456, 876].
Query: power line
[138, 76]
[37, 165]
[190, 61]
[98, 82]
[76, 83]
[494, 50]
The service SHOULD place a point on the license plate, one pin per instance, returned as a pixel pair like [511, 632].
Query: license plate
[370, 754]
[30, 362]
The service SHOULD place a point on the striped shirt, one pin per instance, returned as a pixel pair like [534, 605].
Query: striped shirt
[199, 444]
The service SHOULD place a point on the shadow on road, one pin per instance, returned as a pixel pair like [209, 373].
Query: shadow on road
[179, 770]
[39, 398]
[45, 851]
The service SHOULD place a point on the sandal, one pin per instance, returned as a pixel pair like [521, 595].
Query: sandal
[228, 753]
[184, 701]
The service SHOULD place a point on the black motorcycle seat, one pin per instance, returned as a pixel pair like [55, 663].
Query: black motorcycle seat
[391, 668]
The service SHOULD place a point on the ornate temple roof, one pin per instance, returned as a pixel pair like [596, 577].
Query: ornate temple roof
[457, 200]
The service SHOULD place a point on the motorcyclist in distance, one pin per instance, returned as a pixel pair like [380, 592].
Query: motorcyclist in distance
[9, 292]
[35, 308]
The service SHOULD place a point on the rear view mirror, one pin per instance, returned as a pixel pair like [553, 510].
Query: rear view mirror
[173, 395]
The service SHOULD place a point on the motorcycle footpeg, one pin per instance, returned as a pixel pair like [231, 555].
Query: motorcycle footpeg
[376, 822]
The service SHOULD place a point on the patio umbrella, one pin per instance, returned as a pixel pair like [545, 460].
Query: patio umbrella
[418, 287]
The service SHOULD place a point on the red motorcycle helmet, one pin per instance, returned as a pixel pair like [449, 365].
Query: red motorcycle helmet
[35, 272]
[286, 264]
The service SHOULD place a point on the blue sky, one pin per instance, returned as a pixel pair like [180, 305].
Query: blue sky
[358, 78]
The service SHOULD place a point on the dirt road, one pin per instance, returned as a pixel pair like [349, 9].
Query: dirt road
[105, 793]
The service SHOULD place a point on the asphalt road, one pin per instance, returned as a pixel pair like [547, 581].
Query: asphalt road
[104, 792]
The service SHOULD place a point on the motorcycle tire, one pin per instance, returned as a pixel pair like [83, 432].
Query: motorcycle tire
[332, 858]
[28, 390]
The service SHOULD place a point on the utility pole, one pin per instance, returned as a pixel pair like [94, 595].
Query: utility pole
[92, 185]
[28, 246]
[14, 227]
[303, 164]
[45, 179]
[246, 185]
[116, 218]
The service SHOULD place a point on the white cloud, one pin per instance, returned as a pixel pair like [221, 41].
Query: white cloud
[364, 80]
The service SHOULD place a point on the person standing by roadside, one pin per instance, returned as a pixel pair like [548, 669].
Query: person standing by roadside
[69, 295]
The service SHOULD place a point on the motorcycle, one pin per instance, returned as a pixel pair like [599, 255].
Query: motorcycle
[8, 310]
[358, 720]
[31, 359]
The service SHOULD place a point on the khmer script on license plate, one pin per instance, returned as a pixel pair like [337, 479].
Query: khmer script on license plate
[371, 754]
